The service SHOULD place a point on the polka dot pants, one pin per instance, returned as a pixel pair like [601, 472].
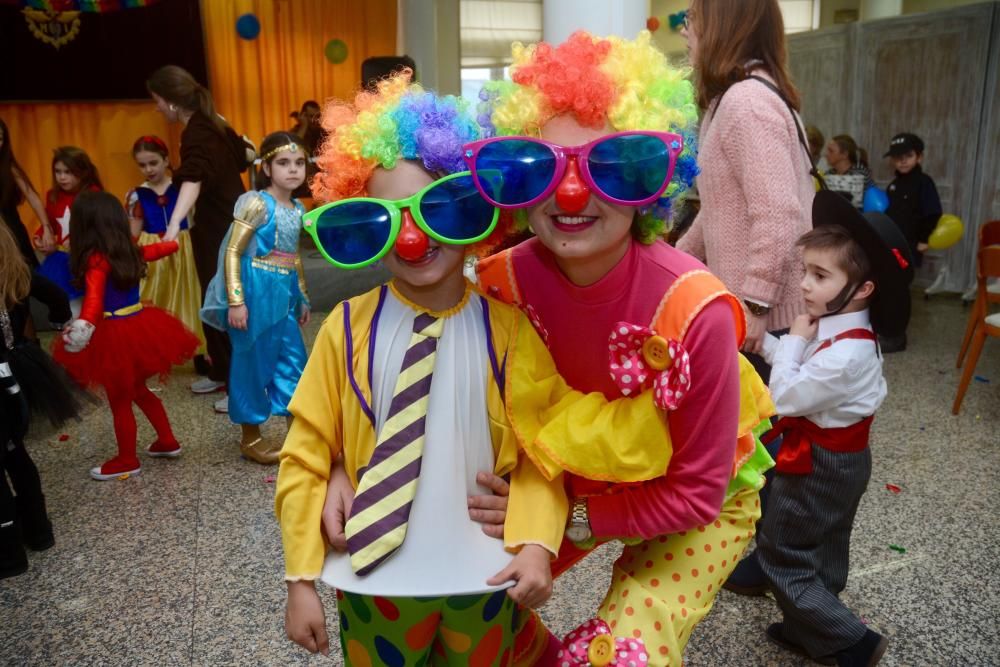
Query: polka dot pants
[473, 630]
[662, 588]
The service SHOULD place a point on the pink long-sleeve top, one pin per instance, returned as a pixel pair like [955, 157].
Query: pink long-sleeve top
[576, 323]
[756, 196]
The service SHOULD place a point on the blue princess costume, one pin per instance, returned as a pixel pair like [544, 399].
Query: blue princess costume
[260, 267]
[171, 283]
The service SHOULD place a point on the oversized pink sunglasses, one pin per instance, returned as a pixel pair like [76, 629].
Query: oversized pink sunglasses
[630, 168]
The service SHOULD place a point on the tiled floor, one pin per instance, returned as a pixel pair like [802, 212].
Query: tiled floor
[181, 565]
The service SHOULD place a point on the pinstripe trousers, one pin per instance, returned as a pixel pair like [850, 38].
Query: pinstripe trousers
[803, 545]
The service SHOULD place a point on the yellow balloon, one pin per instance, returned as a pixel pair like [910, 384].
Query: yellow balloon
[947, 233]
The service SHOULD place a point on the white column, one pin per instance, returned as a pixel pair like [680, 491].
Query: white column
[880, 9]
[430, 30]
[561, 18]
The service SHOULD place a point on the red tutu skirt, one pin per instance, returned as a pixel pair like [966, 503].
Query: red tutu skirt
[125, 351]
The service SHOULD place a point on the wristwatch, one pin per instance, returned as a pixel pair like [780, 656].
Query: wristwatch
[757, 309]
[578, 528]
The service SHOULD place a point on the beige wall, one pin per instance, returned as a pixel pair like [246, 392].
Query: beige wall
[669, 42]
[917, 6]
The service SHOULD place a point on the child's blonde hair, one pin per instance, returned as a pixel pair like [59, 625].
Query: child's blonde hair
[15, 276]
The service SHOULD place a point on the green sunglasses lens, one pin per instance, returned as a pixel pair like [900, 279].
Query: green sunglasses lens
[354, 233]
[454, 210]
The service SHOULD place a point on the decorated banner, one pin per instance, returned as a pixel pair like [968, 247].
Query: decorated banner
[95, 49]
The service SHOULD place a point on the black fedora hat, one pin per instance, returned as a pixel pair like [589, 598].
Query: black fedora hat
[887, 252]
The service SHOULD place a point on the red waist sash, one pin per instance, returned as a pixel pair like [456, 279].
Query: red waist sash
[795, 455]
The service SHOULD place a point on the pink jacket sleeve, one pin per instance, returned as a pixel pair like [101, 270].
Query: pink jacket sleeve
[693, 240]
[768, 168]
[704, 435]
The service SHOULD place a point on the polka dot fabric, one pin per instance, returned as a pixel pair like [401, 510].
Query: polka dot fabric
[632, 372]
[474, 630]
[663, 587]
[581, 650]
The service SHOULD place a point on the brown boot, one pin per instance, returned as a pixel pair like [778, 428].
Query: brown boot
[255, 448]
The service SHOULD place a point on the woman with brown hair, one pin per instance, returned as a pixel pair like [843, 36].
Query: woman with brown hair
[848, 173]
[755, 185]
[213, 157]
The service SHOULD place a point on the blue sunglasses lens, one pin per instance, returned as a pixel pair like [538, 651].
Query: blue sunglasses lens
[630, 168]
[354, 232]
[525, 167]
[455, 210]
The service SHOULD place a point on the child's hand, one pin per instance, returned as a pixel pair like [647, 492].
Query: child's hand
[305, 622]
[532, 571]
[173, 229]
[47, 244]
[490, 510]
[805, 326]
[336, 509]
[304, 315]
[238, 316]
[922, 247]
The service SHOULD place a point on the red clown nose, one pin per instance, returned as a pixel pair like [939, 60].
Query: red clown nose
[572, 194]
[411, 244]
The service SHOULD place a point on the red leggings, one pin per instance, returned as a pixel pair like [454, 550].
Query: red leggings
[121, 409]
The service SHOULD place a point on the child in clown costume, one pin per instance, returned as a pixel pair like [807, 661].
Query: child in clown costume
[655, 320]
[258, 295]
[421, 580]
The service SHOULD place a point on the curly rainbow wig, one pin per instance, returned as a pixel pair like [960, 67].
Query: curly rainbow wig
[398, 120]
[627, 85]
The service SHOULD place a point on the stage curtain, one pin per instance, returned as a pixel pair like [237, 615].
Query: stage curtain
[256, 84]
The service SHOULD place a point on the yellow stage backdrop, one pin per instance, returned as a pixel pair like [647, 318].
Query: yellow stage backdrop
[255, 84]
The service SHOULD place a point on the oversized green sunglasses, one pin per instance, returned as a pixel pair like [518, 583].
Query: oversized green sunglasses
[353, 233]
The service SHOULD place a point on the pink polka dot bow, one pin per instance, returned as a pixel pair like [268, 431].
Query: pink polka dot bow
[593, 644]
[639, 358]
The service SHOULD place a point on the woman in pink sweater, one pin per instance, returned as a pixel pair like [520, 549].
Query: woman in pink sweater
[755, 187]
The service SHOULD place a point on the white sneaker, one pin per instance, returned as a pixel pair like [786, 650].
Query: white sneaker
[222, 405]
[206, 386]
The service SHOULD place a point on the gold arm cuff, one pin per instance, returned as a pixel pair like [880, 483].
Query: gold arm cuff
[239, 237]
[300, 270]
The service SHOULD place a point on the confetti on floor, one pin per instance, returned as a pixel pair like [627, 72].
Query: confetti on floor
[896, 547]
[980, 378]
[64, 437]
[269, 479]
[893, 488]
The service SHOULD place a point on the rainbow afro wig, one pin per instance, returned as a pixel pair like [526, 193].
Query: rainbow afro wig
[398, 120]
[627, 85]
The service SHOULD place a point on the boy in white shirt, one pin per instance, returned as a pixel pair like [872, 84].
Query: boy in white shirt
[826, 381]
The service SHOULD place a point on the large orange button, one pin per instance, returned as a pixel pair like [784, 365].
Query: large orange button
[601, 651]
[656, 352]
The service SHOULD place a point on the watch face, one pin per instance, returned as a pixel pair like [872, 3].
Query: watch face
[577, 533]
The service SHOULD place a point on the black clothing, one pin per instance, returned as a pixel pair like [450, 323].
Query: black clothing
[914, 206]
[215, 160]
[13, 220]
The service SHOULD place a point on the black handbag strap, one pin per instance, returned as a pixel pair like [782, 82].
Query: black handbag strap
[813, 171]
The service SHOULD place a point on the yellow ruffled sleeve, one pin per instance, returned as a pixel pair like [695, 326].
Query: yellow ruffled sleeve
[561, 429]
[313, 442]
[525, 523]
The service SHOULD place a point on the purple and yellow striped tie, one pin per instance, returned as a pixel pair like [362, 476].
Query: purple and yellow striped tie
[381, 509]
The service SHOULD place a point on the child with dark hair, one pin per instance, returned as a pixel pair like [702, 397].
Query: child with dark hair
[72, 173]
[258, 295]
[914, 204]
[171, 283]
[117, 342]
[16, 188]
[827, 383]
